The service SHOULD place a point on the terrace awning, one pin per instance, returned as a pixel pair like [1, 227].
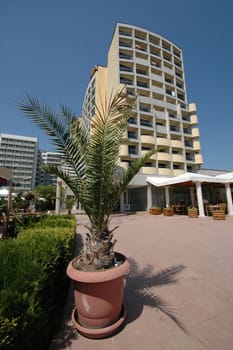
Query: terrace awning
[186, 178]
[195, 179]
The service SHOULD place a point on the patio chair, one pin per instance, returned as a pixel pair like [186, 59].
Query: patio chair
[223, 206]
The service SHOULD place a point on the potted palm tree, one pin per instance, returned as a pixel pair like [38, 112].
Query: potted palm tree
[168, 211]
[155, 210]
[91, 149]
[192, 212]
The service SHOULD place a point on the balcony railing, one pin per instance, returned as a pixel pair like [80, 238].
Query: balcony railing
[141, 84]
[126, 69]
[132, 121]
[142, 72]
[126, 81]
[146, 123]
[123, 44]
[125, 57]
[171, 115]
[187, 131]
[188, 144]
[132, 136]
[174, 128]
[122, 32]
[145, 109]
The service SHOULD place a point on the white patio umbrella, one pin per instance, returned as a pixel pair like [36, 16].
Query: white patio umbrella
[4, 193]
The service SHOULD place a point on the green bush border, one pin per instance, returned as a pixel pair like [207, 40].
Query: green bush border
[33, 282]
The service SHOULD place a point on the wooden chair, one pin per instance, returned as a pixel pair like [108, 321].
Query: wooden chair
[223, 206]
[209, 209]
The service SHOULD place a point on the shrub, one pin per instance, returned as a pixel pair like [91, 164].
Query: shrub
[34, 284]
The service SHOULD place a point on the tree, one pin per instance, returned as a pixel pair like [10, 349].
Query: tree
[94, 157]
[46, 196]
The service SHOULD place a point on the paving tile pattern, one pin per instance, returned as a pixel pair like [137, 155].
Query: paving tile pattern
[179, 292]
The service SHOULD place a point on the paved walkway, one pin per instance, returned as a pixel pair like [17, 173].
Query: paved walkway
[179, 293]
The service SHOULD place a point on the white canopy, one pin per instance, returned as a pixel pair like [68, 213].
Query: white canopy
[187, 177]
[226, 176]
[4, 192]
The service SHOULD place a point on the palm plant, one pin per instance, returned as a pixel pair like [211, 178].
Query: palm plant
[91, 149]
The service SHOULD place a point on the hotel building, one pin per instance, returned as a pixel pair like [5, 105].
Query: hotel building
[151, 68]
[19, 154]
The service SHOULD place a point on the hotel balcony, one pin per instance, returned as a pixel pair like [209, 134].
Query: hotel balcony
[124, 151]
[147, 139]
[157, 89]
[195, 132]
[156, 77]
[125, 136]
[142, 61]
[198, 159]
[165, 171]
[196, 145]
[177, 172]
[148, 170]
[124, 165]
[177, 144]
[164, 156]
[162, 141]
[192, 108]
[194, 119]
[178, 158]
[153, 157]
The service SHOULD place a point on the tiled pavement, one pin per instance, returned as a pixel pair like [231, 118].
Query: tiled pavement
[179, 293]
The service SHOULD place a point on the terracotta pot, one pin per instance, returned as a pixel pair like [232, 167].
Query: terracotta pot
[98, 295]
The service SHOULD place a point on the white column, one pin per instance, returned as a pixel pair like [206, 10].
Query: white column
[58, 197]
[167, 196]
[200, 200]
[122, 203]
[192, 196]
[229, 199]
[149, 196]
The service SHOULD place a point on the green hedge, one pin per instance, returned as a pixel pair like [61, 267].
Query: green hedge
[33, 283]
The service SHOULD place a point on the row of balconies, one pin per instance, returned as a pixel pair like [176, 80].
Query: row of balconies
[146, 61]
[126, 36]
[145, 71]
[150, 50]
[157, 82]
[163, 156]
[167, 171]
[149, 139]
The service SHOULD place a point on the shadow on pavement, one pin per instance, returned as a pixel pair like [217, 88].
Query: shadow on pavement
[138, 294]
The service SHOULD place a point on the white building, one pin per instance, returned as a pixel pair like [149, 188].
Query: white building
[48, 158]
[151, 68]
[19, 154]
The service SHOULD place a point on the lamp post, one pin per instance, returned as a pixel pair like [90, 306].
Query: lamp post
[58, 196]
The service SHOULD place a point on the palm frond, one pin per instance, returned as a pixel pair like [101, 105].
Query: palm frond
[108, 126]
[120, 185]
[46, 119]
[65, 176]
[69, 140]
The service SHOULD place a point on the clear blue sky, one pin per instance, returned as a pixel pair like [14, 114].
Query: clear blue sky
[48, 47]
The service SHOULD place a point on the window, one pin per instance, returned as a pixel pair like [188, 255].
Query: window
[133, 150]
[132, 135]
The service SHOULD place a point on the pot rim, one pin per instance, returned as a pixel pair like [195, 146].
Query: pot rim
[98, 276]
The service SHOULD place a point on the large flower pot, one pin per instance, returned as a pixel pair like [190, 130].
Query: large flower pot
[99, 309]
[168, 211]
[219, 215]
[192, 213]
[155, 211]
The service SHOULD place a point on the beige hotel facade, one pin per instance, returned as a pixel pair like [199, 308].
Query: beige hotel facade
[150, 67]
